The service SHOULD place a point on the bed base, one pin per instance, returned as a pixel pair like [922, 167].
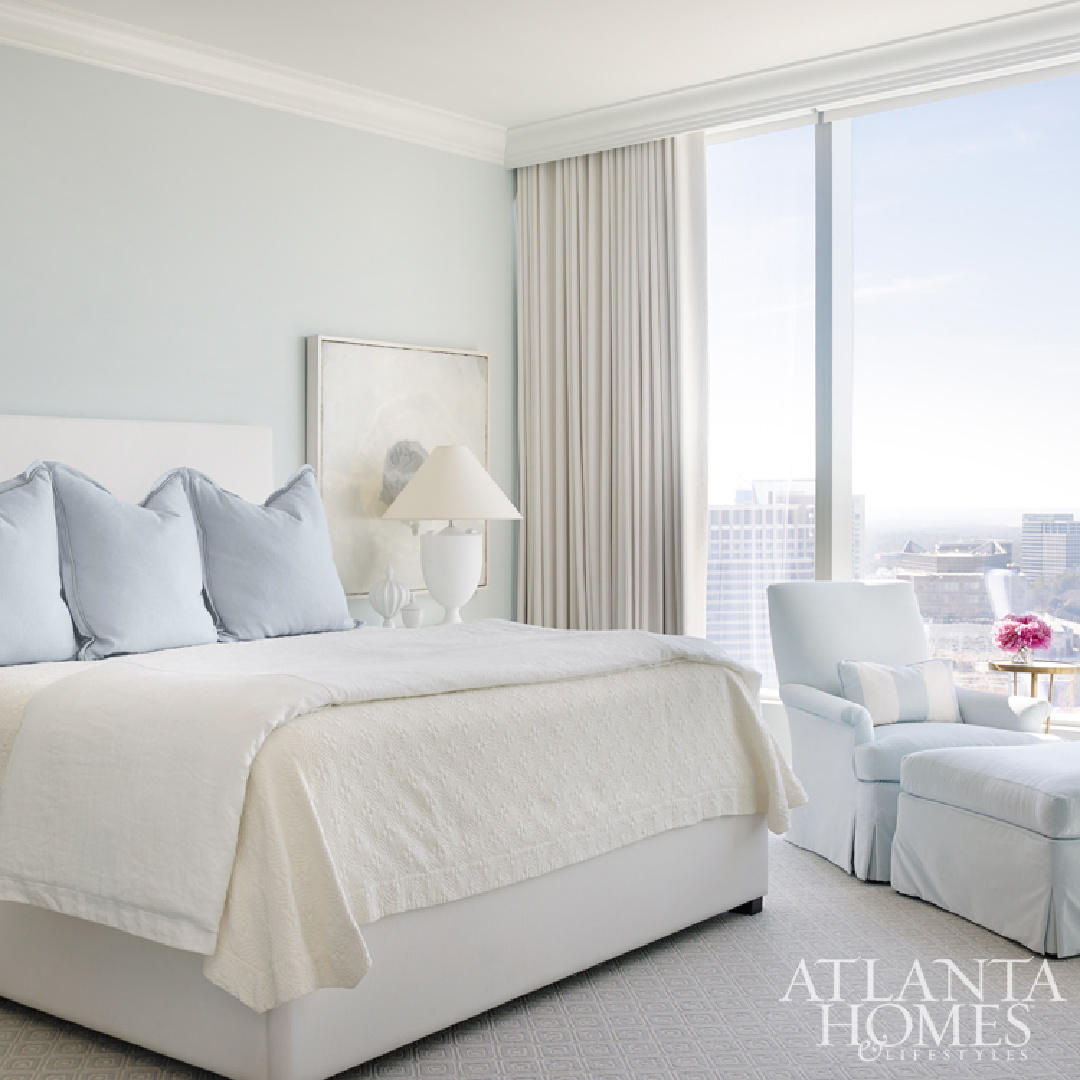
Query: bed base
[430, 968]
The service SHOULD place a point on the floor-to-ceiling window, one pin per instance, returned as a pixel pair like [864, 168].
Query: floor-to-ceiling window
[966, 218]
[965, 215]
[761, 336]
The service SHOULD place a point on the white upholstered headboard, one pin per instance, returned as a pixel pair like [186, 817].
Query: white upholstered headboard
[127, 456]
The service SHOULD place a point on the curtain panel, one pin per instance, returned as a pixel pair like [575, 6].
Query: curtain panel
[612, 389]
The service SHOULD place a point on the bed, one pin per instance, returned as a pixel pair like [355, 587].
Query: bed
[427, 966]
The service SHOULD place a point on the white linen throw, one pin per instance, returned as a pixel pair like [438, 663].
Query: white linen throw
[123, 795]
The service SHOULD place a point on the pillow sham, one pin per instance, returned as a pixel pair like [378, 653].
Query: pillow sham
[35, 625]
[891, 695]
[132, 574]
[268, 570]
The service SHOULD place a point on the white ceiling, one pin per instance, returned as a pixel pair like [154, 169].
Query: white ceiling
[515, 62]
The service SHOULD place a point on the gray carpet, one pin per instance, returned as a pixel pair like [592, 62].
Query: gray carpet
[704, 1003]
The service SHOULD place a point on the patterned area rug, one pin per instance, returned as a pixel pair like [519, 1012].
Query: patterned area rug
[707, 1003]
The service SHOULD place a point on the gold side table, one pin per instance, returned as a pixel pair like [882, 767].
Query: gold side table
[1035, 668]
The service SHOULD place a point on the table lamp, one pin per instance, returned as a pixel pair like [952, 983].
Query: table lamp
[452, 486]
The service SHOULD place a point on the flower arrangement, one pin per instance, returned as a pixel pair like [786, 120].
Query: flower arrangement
[1020, 634]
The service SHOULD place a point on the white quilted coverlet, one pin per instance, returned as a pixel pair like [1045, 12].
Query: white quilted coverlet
[418, 768]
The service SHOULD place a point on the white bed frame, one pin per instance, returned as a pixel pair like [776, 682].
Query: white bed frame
[431, 967]
[127, 456]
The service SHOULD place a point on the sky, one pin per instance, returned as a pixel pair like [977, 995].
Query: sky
[967, 306]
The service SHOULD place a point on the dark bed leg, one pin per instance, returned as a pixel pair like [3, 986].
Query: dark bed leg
[751, 907]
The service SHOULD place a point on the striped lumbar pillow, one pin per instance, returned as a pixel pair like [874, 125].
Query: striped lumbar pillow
[916, 692]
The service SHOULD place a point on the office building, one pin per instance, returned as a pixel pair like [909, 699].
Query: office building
[1049, 544]
[765, 535]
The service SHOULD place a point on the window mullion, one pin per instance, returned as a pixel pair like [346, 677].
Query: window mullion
[834, 300]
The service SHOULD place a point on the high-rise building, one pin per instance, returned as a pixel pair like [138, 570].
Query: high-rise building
[1049, 544]
[765, 535]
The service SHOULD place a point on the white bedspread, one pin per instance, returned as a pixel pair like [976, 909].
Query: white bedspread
[124, 794]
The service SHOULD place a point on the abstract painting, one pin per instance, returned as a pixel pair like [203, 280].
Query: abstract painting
[374, 413]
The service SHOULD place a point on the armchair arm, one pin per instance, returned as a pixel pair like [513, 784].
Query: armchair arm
[825, 730]
[998, 711]
[829, 707]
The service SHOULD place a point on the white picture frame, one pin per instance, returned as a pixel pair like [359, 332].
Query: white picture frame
[374, 410]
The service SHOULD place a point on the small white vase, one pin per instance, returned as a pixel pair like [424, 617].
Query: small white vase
[388, 597]
[412, 615]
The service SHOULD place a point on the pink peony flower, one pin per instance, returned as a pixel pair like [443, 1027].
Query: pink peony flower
[1016, 632]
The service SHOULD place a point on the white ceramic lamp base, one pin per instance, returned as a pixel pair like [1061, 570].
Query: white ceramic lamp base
[452, 561]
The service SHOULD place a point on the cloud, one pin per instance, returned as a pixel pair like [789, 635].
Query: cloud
[909, 285]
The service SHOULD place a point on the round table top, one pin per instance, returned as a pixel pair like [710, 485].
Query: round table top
[1037, 667]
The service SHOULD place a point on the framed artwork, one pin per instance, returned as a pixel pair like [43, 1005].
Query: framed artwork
[374, 413]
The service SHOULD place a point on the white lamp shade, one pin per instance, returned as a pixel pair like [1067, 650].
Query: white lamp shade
[451, 485]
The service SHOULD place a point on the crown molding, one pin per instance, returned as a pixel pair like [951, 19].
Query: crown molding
[122, 47]
[1031, 44]
[1036, 43]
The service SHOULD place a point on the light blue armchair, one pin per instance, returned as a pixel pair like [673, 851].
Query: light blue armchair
[850, 769]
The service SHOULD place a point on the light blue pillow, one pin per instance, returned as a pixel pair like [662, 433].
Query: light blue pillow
[908, 693]
[34, 622]
[268, 570]
[132, 575]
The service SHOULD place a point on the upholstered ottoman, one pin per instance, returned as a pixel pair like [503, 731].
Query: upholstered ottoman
[993, 834]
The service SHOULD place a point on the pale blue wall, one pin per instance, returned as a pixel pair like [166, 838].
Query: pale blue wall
[164, 252]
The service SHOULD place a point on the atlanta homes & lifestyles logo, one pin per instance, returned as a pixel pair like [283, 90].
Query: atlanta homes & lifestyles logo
[978, 1010]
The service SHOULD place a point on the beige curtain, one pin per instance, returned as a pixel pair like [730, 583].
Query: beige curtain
[612, 389]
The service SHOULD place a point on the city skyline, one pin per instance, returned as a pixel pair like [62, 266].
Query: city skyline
[766, 534]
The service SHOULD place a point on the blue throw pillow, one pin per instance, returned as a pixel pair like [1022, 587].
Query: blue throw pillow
[132, 575]
[906, 693]
[34, 622]
[268, 570]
